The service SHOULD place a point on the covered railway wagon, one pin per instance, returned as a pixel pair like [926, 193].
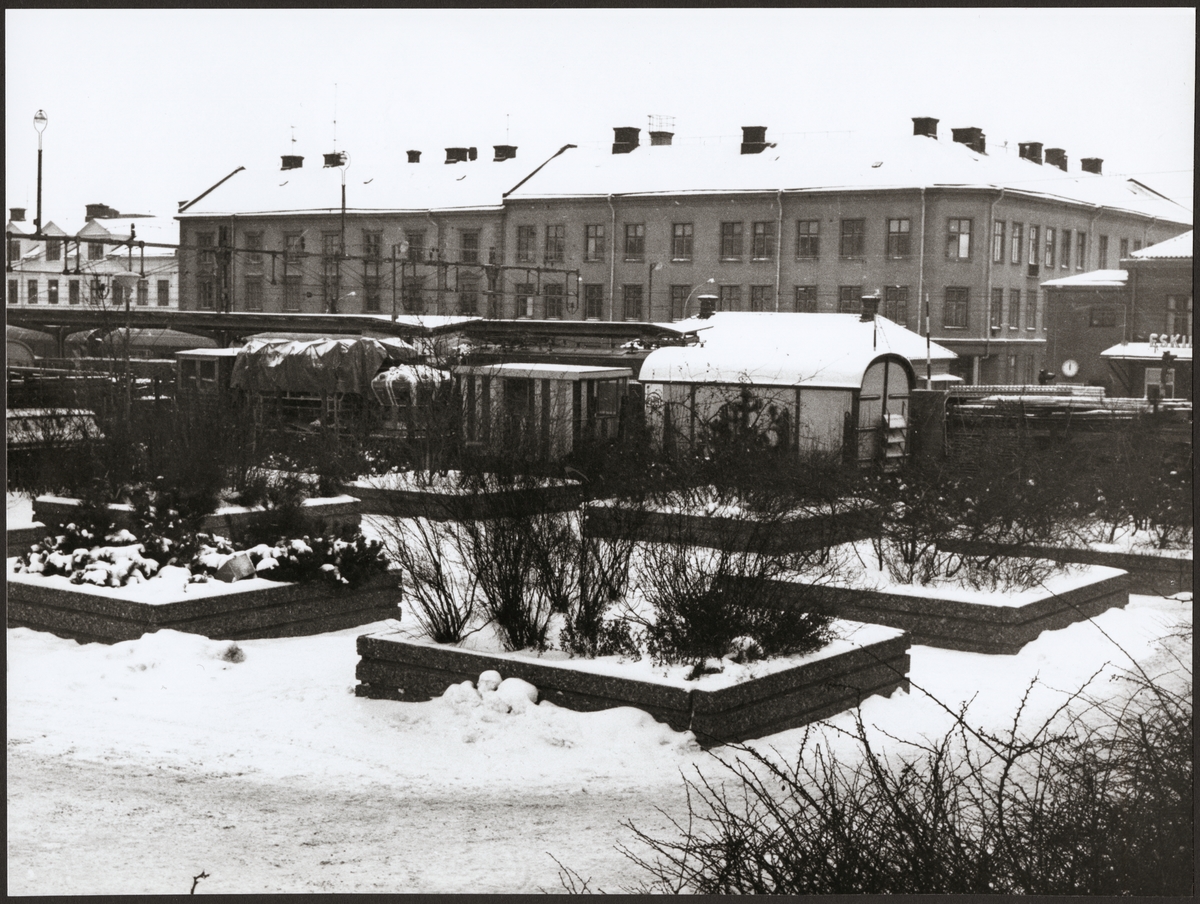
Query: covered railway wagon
[795, 382]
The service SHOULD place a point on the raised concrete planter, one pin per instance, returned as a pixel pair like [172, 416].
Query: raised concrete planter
[823, 684]
[254, 607]
[19, 539]
[441, 505]
[973, 626]
[327, 515]
[722, 532]
[1155, 575]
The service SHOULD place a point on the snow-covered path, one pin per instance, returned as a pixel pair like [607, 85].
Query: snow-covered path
[133, 767]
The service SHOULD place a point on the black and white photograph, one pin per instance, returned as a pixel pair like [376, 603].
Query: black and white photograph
[599, 451]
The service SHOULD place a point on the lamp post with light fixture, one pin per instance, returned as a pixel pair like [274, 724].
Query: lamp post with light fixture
[708, 282]
[39, 122]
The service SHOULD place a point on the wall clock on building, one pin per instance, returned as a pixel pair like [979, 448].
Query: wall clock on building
[1070, 367]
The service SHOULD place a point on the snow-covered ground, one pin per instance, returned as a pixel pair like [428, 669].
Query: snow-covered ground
[132, 768]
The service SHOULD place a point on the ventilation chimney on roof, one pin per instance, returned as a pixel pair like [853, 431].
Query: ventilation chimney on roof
[1057, 157]
[708, 305]
[456, 155]
[925, 126]
[754, 139]
[337, 158]
[291, 161]
[16, 214]
[1092, 164]
[504, 152]
[625, 139]
[870, 307]
[472, 153]
[660, 138]
[972, 138]
[1032, 151]
[414, 156]
[100, 210]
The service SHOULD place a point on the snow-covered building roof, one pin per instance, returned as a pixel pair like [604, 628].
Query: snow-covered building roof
[545, 371]
[392, 187]
[1146, 351]
[1095, 278]
[1179, 248]
[768, 349]
[830, 162]
[148, 229]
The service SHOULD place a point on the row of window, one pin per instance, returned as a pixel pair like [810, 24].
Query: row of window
[413, 248]
[55, 249]
[1048, 247]
[96, 292]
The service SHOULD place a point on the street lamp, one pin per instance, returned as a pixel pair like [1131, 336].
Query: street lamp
[686, 301]
[39, 123]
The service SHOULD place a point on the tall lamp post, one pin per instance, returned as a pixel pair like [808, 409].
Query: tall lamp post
[39, 123]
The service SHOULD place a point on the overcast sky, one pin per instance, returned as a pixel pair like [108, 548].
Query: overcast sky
[147, 108]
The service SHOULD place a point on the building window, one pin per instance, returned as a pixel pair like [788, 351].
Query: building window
[52, 291]
[1102, 316]
[416, 246]
[252, 289]
[1033, 245]
[1124, 249]
[895, 304]
[1065, 255]
[762, 243]
[954, 313]
[899, 242]
[143, 293]
[96, 291]
[206, 257]
[805, 300]
[553, 295]
[31, 290]
[760, 298]
[372, 244]
[468, 246]
[1179, 316]
[593, 300]
[468, 295]
[1080, 250]
[594, 246]
[729, 298]
[1102, 253]
[998, 242]
[808, 239]
[1137, 244]
[1050, 247]
[849, 299]
[73, 292]
[292, 290]
[631, 297]
[205, 295]
[164, 292]
[120, 295]
[254, 243]
[731, 241]
[958, 239]
[14, 250]
[854, 234]
[1014, 309]
[372, 301]
[414, 295]
[96, 249]
[13, 290]
[679, 297]
[556, 243]
[996, 312]
[635, 242]
[293, 247]
[53, 249]
[1017, 239]
[681, 241]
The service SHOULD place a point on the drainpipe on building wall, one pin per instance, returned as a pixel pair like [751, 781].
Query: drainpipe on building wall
[778, 248]
[987, 306]
[612, 260]
[437, 254]
[922, 297]
[232, 259]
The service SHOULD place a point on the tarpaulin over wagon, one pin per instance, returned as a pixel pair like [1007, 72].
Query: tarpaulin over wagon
[315, 366]
[396, 386]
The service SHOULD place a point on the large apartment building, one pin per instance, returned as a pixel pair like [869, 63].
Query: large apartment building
[946, 232]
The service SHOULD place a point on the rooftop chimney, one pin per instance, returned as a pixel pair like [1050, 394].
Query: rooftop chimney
[625, 139]
[414, 156]
[456, 155]
[291, 161]
[754, 139]
[708, 305]
[925, 126]
[1092, 164]
[870, 307]
[972, 138]
[504, 152]
[337, 158]
[16, 214]
[1057, 157]
[100, 210]
[1032, 151]
[472, 153]
[660, 138]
